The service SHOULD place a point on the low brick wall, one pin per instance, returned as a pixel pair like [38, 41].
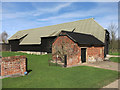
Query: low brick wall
[13, 65]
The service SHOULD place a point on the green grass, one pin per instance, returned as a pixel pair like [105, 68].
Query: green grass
[44, 76]
[115, 59]
[114, 53]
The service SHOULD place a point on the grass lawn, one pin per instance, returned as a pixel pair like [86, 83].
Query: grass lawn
[44, 76]
[114, 53]
[115, 59]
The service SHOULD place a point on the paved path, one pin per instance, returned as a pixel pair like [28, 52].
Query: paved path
[114, 84]
[113, 55]
[109, 56]
[105, 65]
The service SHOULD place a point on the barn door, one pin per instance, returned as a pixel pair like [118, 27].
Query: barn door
[65, 58]
[83, 55]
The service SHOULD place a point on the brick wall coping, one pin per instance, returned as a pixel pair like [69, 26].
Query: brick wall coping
[12, 58]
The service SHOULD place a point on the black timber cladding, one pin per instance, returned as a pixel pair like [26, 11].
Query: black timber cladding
[45, 46]
[107, 42]
[46, 42]
[83, 39]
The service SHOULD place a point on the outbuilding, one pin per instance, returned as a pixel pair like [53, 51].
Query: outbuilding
[73, 48]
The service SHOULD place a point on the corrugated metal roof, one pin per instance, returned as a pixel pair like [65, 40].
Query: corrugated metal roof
[87, 26]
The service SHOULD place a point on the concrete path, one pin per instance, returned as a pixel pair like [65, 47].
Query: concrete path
[113, 56]
[114, 84]
[105, 65]
[109, 56]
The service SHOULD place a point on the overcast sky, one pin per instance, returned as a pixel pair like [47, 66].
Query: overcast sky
[26, 15]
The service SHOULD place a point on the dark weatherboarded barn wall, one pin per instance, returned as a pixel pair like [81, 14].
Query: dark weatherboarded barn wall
[45, 46]
[107, 41]
[14, 45]
[4, 47]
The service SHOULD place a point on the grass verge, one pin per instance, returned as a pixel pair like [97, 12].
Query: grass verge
[45, 76]
[115, 59]
[114, 53]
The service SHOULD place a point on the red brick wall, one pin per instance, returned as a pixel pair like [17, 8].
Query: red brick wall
[73, 51]
[13, 65]
[95, 53]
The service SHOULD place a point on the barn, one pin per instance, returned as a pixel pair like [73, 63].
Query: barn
[41, 39]
[73, 48]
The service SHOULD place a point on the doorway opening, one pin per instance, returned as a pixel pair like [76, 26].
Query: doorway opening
[83, 55]
[65, 58]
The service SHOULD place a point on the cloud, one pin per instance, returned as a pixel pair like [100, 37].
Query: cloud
[103, 14]
[12, 26]
[79, 14]
[51, 10]
[16, 15]
[39, 11]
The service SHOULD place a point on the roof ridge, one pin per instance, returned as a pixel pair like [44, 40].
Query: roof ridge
[57, 24]
[76, 32]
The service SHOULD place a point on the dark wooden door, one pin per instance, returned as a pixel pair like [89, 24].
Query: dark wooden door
[65, 58]
[83, 55]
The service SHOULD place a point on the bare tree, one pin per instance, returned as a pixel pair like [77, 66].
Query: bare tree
[113, 28]
[3, 37]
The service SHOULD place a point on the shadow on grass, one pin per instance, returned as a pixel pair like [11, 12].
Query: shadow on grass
[28, 70]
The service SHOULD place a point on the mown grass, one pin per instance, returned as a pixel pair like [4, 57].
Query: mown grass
[45, 76]
[115, 59]
[114, 53]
